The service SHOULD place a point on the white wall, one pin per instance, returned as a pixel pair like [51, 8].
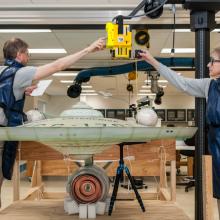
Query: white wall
[56, 104]
[177, 102]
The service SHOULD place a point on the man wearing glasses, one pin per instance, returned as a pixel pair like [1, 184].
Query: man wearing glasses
[208, 88]
[16, 81]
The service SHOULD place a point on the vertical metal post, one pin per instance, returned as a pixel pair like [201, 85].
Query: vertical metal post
[201, 23]
[202, 55]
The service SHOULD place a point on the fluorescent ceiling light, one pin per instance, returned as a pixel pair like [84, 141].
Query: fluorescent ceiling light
[164, 86]
[66, 81]
[178, 50]
[83, 87]
[160, 81]
[144, 90]
[105, 94]
[144, 94]
[88, 94]
[182, 30]
[86, 87]
[146, 86]
[89, 90]
[58, 50]
[65, 74]
[188, 30]
[216, 30]
[25, 30]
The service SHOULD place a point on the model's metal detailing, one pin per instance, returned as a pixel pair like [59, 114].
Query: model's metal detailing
[88, 185]
[86, 189]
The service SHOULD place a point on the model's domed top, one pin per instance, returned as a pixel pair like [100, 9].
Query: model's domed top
[147, 117]
[34, 115]
[81, 109]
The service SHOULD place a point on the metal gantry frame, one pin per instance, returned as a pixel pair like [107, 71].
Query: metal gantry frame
[202, 21]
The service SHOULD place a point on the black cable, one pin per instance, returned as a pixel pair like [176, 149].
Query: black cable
[148, 73]
[149, 12]
[174, 27]
[129, 95]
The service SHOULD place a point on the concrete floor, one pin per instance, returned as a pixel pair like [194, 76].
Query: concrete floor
[53, 184]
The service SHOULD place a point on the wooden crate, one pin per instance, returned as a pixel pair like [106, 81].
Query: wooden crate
[150, 160]
[147, 158]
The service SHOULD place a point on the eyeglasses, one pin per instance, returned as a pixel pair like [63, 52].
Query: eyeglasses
[213, 60]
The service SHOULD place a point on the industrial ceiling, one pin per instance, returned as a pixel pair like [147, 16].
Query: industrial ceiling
[75, 24]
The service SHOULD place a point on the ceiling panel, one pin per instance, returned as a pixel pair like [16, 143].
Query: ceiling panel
[13, 2]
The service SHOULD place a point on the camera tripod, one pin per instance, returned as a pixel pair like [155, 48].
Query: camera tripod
[119, 177]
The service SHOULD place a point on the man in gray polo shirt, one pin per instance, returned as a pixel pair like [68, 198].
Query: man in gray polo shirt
[16, 56]
[208, 88]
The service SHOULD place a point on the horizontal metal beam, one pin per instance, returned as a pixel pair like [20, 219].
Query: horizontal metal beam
[64, 7]
[87, 26]
[174, 2]
[182, 69]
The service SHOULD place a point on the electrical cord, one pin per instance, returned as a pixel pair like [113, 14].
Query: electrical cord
[174, 26]
[147, 13]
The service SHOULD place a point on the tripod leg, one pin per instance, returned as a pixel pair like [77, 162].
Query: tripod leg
[115, 190]
[135, 189]
[121, 176]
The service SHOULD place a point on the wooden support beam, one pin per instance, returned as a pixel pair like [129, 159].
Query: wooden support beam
[54, 195]
[207, 187]
[35, 193]
[164, 194]
[32, 194]
[16, 181]
[131, 195]
[163, 177]
[173, 180]
[190, 166]
[36, 176]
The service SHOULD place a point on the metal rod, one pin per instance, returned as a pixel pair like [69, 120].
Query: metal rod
[202, 42]
[67, 26]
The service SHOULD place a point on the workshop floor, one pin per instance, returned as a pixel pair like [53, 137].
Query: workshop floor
[185, 200]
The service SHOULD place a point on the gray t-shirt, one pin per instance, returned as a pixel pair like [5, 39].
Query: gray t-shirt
[23, 79]
[194, 87]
